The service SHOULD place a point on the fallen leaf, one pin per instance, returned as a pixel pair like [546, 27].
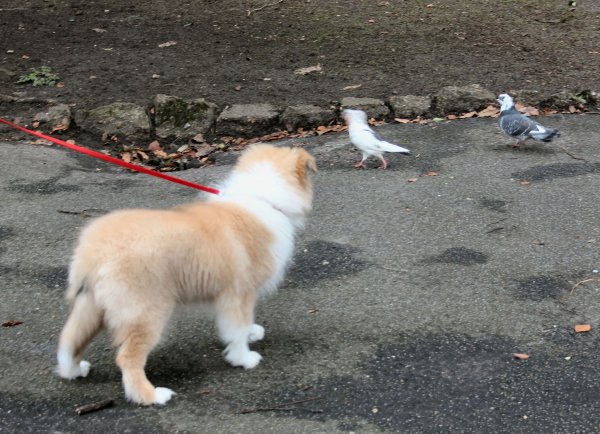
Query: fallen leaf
[142, 155]
[523, 182]
[198, 138]
[59, 127]
[308, 69]
[167, 44]
[12, 323]
[155, 146]
[521, 356]
[126, 157]
[183, 148]
[412, 179]
[489, 112]
[467, 115]
[402, 121]
[451, 117]
[352, 87]
[98, 30]
[371, 21]
[431, 173]
[60, 85]
[35, 124]
[582, 328]
[527, 110]
[572, 109]
[155, 76]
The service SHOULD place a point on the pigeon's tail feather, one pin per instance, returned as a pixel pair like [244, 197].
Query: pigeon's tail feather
[390, 147]
[545, 136]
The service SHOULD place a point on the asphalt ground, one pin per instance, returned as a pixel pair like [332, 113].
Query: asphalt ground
[401, 313]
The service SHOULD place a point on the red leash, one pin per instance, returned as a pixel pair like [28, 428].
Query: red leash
[113, 160]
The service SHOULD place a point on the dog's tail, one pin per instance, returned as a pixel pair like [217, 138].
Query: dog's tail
[85, 320]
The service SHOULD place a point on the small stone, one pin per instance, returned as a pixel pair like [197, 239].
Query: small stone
[409, 106]
[247, 120]
[375, 108]
[461, 99]
[306, 116]
[121, 119]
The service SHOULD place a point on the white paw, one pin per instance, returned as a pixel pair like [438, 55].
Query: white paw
[257, 332]
[162, 395]
[70, 372]
[84, 368]
[247, 359]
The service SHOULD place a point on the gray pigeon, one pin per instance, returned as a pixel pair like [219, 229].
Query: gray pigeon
[520, 126]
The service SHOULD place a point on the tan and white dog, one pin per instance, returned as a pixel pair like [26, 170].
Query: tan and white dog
[225, 252]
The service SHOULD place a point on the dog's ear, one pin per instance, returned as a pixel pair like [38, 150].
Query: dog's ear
[304, 163]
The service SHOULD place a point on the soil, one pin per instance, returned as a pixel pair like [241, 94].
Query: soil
[246, 51]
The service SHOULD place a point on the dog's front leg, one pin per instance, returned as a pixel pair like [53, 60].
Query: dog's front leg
[236, 330]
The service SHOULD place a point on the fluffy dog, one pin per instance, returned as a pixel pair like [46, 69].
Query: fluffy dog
[225, 252]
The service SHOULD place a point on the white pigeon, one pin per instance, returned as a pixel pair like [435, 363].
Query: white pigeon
[366, 140]
[520, 126]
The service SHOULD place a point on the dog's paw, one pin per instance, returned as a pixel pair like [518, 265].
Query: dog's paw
[162, 395]
[247, 360]
[257, 332]
[82, 369]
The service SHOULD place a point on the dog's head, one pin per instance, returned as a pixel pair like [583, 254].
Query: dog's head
[278, 175]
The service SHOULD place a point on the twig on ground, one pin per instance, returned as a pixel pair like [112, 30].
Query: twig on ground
[85, 212]
[94, 406]
[251, 11]
[581, 282]
[279, 406]
[495, 229]
[566, 151]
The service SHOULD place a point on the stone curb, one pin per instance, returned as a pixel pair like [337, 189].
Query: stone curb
[172, 118]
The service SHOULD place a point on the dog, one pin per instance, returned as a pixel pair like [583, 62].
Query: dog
[131, 268]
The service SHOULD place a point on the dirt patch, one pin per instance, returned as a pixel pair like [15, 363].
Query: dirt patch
[232, 51]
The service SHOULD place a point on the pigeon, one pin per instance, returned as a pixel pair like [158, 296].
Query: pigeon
[366, 140]
[520, 126]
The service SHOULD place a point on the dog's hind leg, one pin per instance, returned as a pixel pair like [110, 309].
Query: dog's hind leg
[137, 341]
[235, 315]
[85, 320]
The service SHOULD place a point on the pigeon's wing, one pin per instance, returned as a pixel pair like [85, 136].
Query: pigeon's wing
[390, 147]
[517, 125]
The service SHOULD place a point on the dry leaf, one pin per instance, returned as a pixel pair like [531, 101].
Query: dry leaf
[59, 127]
[371, 21]
[60, 85]
[35, 124]
[523, 182]
[527, 110]
[355, 86]
[412, 179]
[521, 356]
[572, 109]
[308, 70]
[489, 112]
[582, 328]
[155, 146]
[142, 155]
[467, 115]
[126, 157]
[198, 138]
[451, 117]
[431, 173]
[402, 121]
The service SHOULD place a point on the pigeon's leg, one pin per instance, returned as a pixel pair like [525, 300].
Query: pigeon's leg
[383, 162]
[361, 163]
[518, 145]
